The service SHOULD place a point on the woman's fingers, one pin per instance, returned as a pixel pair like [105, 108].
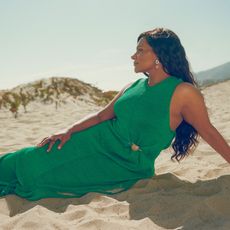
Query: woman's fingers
[63, 141]
[51, 145]
[44, 141]
[41, 142]
[63, 138]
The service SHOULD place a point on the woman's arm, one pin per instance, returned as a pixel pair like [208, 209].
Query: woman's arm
[104, 114]
[215, 139]
[84, 123]
[92, 119]
[63, 136]
[194, 112]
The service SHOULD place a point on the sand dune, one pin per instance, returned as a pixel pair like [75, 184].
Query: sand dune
[191, 195]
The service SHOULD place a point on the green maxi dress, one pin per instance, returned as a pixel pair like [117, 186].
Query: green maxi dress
[100, 158]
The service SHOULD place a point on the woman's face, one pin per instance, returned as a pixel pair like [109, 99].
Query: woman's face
[144, 57]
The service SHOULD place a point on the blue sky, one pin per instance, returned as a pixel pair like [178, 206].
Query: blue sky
[93, 40]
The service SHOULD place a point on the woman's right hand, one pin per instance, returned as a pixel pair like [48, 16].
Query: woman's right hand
[63, 137]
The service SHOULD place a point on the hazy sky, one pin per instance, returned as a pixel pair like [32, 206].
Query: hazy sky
[93, 40]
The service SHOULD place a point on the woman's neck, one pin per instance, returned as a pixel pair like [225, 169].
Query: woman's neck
[155, 78]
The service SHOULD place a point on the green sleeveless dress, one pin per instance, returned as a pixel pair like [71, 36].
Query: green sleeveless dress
[101, 158]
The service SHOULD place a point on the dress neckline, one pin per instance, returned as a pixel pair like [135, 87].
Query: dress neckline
[157, 84]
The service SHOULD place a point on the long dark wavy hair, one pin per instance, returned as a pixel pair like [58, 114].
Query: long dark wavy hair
[171, 54]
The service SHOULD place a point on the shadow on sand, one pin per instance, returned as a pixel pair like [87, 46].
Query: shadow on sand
[165, 199]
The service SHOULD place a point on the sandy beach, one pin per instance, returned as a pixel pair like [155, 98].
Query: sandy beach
[192, 194]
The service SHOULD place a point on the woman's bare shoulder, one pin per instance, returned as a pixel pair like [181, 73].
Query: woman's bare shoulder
[185, 93]
[186, 89]
[192, 106]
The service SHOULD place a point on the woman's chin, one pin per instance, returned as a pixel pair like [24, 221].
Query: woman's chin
[139, 71]
[136, 70]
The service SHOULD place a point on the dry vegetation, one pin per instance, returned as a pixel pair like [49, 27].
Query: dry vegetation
[53, 91]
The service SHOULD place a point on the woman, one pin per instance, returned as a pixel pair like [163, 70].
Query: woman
[108, 152]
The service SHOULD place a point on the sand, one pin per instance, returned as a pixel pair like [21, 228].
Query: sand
[194, 194]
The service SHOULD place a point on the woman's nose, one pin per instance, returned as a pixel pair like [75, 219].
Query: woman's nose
[133, 56]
